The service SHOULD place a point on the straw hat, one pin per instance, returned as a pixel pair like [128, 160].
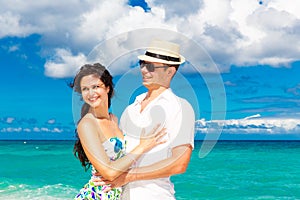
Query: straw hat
[163, 52]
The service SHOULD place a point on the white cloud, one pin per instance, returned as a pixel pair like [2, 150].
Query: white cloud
[250, 125]
[43, 129]
[51, 121]
[10, 120]
[57, 130]
[229, 83]
[23, 125]
[13, 48]
[10, 25]
[27, 130]
[11, 129]
[252, 116]
[289, 6]
[20, 18]
[232, 31]
[35, 129]
[64, 64]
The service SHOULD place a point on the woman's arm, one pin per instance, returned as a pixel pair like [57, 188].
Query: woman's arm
[92, 145]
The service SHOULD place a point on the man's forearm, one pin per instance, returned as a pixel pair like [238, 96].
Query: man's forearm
[176, 164]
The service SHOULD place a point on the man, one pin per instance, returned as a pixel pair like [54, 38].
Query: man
[149, 178]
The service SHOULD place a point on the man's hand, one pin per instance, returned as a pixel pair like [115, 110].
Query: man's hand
[121, 180]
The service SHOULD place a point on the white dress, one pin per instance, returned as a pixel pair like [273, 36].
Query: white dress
[115, 148]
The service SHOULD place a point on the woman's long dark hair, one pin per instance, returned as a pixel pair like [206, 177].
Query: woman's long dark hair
[102, 73]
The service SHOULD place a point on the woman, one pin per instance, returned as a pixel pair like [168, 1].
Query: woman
[100, 142]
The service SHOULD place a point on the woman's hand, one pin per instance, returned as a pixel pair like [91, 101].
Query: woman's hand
[121, 180]
[152, 139]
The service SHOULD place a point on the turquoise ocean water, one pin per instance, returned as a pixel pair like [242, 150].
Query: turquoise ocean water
[232, 170]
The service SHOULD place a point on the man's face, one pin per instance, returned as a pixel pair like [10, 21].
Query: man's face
[154, 74]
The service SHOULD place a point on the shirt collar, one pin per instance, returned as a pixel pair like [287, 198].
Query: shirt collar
[165, 94]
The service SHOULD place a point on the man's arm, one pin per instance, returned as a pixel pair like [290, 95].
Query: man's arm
[176, 164]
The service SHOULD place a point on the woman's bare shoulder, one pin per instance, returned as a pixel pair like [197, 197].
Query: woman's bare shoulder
[87, 121]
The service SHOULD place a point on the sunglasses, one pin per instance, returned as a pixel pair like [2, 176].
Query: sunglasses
[150, 66]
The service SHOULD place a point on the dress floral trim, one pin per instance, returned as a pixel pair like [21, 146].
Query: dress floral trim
[92, 192]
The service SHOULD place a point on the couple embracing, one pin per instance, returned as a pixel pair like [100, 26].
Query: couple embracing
[133, 158]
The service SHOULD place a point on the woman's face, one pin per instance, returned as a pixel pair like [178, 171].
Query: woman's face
[94, 91]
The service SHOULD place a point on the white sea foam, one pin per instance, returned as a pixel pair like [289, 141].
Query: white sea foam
[31, 192]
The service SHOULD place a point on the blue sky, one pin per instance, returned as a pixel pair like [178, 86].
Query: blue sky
[242, 73]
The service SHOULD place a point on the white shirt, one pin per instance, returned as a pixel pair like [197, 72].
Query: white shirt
[173, 113]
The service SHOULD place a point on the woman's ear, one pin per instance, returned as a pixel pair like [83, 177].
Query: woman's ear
[107, 89]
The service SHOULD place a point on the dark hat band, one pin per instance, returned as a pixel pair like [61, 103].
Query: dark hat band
[163, 57]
